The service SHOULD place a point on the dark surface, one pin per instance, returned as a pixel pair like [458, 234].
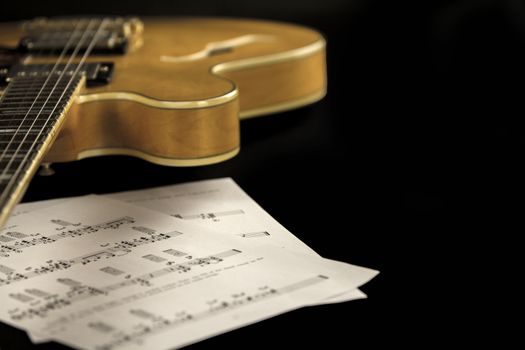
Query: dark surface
[411, 165]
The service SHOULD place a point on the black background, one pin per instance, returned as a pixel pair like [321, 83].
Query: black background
[411, 165]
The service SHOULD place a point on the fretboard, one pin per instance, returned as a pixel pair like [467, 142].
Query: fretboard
[31, 113]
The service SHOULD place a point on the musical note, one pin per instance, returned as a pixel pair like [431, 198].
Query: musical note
[154, 258]
[16, 234]
[80, 291]
[117, 249]
[6, 270]
[83, 300]
[5, 239]
[159, 324]
[20, 245]
[213, 216]
[112, 271]
[254, 234]
[175, 252]
[63, 223]
[143, 229]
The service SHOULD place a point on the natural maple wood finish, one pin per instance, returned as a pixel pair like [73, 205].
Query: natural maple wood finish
[170, 108]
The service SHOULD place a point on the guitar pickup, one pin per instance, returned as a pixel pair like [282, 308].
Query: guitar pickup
[96, 73]
[49, 36]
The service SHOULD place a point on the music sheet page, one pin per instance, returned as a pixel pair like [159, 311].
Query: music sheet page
[218, 204]
[97, 273]
[221, 204]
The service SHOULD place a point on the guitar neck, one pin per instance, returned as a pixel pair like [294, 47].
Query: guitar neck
[32, 109]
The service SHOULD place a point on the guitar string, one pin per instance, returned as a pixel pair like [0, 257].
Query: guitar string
[77, 69]
[52, 72]
[16, 173]
[14, 121]
[50, 114]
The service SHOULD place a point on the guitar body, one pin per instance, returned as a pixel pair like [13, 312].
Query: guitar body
[176, 97]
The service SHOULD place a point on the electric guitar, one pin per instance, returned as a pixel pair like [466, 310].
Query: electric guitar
[167, 90]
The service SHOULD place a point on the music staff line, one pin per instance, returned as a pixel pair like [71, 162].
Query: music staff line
[80, 292]
[162, 324]
[17, 247]
[212, 216]
[257, 234]
[122, 247]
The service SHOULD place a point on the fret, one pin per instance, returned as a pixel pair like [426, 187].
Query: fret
[6, 116]
[40, 111]
[17, 107]
[34, 96]
[22, 146]
[31, 78]
[21, 105]
[39, 89]
[20, 90]
[36, 107]
[37, 92]
[24, 99]
[17, 139]
[12, 166]
[15, 155]
[27, 123]
[21, 137]
[17, 118]
[28, 101]
[18, 131]
[16, 150]
[4, 177]
[7, 139]
[48, 78]
[51, 85]
[9, 123]
[40, 86]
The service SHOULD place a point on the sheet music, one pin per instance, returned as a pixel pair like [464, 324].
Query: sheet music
[219, 204]
[74, 267]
